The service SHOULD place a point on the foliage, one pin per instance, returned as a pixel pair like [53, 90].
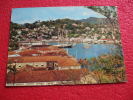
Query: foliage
[60, 27]
[24, 32]
[13, 45]
[107, 11]
[108, 68]
[111, 14]
[73, 35]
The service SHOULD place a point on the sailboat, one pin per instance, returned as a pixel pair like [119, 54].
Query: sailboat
[64, 45]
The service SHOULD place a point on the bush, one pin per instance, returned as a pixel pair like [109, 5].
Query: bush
[108, 68]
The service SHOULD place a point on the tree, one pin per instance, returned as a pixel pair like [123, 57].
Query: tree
[13, 69]
[110, 13]
[107, 11]
[24, 32]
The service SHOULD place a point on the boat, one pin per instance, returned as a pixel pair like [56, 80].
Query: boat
[86, 45]
[64, 45]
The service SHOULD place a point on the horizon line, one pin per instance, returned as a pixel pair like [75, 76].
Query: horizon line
[53, 20]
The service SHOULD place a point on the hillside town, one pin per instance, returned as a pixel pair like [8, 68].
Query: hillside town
[63, 30]
[32, 60]
[64, 46]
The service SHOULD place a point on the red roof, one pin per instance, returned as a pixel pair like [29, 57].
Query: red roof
[11, 52]
[62, 60]
[28, 52]
[50, 50]
[46, 76]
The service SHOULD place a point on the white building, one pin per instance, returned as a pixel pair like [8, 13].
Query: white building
[52, 63]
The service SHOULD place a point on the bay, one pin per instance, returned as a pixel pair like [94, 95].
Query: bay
[86, 51]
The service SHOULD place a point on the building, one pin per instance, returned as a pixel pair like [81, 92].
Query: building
[55, 62]
[50, 77]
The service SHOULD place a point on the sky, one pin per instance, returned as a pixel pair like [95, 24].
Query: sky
[30, 15]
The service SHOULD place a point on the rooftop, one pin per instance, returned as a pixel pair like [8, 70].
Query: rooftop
[11, 52]
[46, 76]
[49, 50]
[62, 60]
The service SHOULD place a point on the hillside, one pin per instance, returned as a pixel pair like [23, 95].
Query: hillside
[94, 20]
[60, 28]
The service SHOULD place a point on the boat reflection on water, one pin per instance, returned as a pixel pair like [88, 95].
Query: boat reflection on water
[86, 45]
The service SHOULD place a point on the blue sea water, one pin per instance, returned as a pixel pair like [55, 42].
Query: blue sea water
[85, 50]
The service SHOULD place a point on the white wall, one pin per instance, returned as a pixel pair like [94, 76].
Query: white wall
[34, 64]
[69, 67]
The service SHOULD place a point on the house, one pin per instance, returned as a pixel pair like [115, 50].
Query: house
[88, 40]
[48, 77]
[54, 37]
[105, 41]
[50, 62]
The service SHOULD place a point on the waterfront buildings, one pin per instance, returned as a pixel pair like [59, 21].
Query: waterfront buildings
[46, 64]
